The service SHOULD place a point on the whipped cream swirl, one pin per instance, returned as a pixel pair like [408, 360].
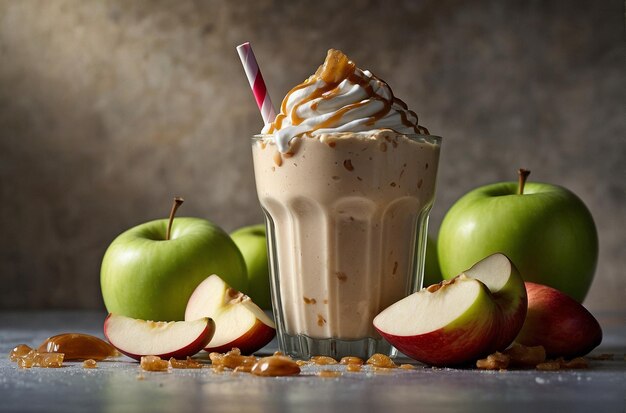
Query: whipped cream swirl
[340, 97]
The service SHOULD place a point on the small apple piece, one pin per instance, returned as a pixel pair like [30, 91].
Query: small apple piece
[179, 339]
[558, 323]
[252, 243]
[239, 322]
[460, 320]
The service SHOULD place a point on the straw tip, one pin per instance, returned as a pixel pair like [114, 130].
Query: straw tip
[243, 45]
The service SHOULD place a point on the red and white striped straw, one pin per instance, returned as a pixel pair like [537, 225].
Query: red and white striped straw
[255, 78]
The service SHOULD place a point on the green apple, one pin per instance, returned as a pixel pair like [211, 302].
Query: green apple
[545, 229]
[432, 272]
[149, 274]
[252, 243]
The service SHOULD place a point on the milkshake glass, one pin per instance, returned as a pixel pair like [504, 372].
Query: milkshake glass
[346, 215]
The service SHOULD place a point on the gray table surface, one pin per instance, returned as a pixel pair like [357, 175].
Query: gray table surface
[114, 386]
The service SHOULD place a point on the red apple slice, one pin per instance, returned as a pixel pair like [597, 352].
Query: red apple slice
[460, 320]
[238, 321]
[178, 339]
[558, 323]
[446, 324]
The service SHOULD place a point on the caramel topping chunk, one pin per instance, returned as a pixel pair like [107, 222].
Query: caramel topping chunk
[381, 360]
[495, 361]
[19, 351]
[153, 363]
[335, 68]
[576, 363]
[34, 358]
[189, 363]
[549, 366]
[351, 360]
[275, 366]
[329, 373]
[232, 359]
[353, 368]
[323, 360]
[523, 356]
[78, 346]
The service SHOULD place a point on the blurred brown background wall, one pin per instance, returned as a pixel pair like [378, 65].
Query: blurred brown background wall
[109, 108]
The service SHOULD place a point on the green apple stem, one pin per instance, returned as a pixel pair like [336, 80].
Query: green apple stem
[523, 175]
[178, 201]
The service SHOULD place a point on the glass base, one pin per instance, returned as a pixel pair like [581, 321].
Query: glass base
[304, 347]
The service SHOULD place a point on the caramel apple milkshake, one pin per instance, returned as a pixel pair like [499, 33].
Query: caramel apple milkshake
[346, 178]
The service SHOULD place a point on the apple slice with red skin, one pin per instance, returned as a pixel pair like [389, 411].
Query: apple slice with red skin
[239, 322]
[507, 288]
[179, 339]
[458, 321]
[558, 323]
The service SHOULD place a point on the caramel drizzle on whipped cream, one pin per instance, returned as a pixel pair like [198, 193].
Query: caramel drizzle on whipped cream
[337, 68]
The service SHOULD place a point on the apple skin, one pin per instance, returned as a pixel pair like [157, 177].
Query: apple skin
[510, 298]
[188, 350]
[547, 232]
[252, 243]
[432, 272]
[558, 323]
[144, 276]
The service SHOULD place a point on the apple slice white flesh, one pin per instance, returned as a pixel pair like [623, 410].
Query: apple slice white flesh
[238, 321]
[179, 339]
[458, 321]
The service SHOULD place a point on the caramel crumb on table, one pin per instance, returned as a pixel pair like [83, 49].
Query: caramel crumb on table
[189, 363]
[382, 370]
[525, 356]
[323, 360]
[351, 360]
[78, 346]
[329, 373]
[154, 363]
[231, 359]
[495, 361]
[528, 357]
[603, 356]
[575, 363]
[19, 351]
[549, 366]
[275, 366]
[26, 357]
[353, 368]
[381, 360]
